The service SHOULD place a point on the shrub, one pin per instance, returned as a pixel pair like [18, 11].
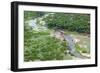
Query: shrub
[44, 47]
[70, 21]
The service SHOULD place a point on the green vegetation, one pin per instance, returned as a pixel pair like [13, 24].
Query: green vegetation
[43, 47]
[70, 21]
[81, 50]
[39, 45]
[31, 15]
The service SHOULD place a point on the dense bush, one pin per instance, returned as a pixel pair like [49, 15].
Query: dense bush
[32, 14]
[39, 45]
[44, 47]
[69, 21]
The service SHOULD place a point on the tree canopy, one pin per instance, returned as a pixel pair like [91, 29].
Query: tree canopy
[69, 21]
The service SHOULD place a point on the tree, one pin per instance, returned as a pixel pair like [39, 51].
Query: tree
[69, 21]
